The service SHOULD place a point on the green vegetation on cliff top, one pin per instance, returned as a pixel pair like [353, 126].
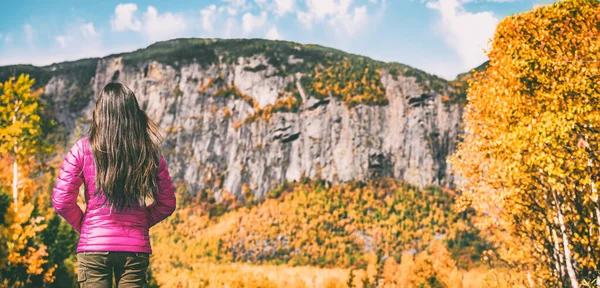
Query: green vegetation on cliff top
[352, 78]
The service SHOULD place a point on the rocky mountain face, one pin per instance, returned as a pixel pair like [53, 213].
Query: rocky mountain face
[205, 95]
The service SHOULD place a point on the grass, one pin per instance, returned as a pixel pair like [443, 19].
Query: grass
[206, 274]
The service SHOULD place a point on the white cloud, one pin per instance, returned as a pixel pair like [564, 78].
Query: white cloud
[261, 3]
[236, 3]
[152, 25]
[124, 18]
[319, 9]
[85, 34]
[76, 40]
[446, 68]
[163, 26]
[351, 22]
[230, 10]
[88, 30]
[340, 14]
[467, 33]
[273, 34]
[251, 22]
[497, 1]
[208, 16]
[305, 18]
[28, 30]
[62, 40]
[8, 38]
[77, 36]
[229, 28]
[234, 6]
[282, 7]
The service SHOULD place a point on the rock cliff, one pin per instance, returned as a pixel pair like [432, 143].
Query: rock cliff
[206, 94]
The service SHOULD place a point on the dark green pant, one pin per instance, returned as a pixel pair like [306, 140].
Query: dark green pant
[96, 269]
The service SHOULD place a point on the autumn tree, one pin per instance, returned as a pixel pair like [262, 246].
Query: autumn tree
[23, 257]
[20, 123]
[529, 159]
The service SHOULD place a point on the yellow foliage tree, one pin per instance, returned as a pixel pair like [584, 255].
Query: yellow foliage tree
[529, 157]
[20, 123]
[22, 256]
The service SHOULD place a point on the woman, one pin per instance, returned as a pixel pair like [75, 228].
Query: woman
[121, 166]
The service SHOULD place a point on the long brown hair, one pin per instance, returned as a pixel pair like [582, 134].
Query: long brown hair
[125, 144]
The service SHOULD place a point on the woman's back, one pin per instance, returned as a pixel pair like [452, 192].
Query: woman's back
[120, 166]
[101, 227]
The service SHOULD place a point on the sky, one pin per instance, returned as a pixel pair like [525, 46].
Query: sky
[442, 37]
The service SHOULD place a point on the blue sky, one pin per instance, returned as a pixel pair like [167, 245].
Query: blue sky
[444, 37]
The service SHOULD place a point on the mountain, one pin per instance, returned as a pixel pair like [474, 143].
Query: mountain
[245, 116]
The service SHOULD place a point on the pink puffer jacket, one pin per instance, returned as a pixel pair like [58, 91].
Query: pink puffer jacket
[100, 228]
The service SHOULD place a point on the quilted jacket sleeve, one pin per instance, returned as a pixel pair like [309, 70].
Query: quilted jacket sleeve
[165, 202]
[66, 189]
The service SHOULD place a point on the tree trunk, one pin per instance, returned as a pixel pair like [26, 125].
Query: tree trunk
[557, 255]
[14, 184]
[15, 167]
[568, 261]
[595, 200]
[531, 283]
[598, 217]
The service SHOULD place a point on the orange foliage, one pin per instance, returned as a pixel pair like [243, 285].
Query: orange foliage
[533, 186]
